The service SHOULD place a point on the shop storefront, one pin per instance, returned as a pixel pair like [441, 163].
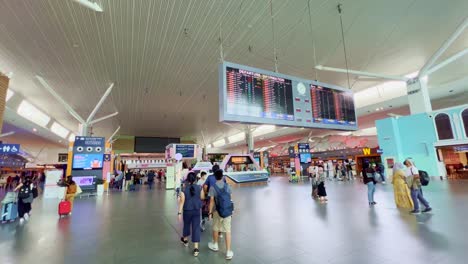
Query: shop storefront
[455, 159]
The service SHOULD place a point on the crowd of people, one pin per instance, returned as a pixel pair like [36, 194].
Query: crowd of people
[129, 179]
[203, 197]
[406, 182]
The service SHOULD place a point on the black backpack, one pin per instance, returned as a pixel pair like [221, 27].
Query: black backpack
[424, 178]
[24, 191]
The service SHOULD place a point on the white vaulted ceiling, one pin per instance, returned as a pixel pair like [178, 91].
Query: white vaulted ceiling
[163, 55]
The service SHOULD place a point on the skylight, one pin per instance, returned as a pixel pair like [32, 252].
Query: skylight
[59, 130]
[33, 114]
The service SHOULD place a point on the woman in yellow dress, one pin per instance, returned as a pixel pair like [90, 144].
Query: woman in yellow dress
[400, 188]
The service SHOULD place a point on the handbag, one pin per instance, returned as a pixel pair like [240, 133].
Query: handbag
[78, 190]
[28, 199]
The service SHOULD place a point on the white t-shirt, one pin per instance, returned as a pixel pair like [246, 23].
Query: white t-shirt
[411, 171]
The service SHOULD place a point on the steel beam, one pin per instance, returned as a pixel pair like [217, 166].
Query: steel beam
[458, 31]
[60, 99]
[103, 118]
[99, 104]
[363, 73]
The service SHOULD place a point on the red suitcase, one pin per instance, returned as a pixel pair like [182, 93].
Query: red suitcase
[64, 208]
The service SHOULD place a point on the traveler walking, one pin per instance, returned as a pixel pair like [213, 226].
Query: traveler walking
[128, 180]
[321, 191]
[221, 208]
[349, 171]
[151, 176]
[400, 188]
[381, 171]
[25, 198]
[42, 179]
[414, 183]
[71, 191]
[190, 204]
[369, 180]
[202, 179]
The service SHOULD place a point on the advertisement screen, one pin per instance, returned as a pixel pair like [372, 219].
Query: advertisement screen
[305, 157]
[83, 180]
[87, 161]
[187, 150]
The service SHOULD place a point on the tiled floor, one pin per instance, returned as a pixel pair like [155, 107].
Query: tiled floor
[278, 223]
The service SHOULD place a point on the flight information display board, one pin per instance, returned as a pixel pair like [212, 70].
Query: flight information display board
[250, 95]
[258, 95]
[331, 106]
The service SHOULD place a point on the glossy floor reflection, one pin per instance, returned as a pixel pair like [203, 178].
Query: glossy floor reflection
[278, 223]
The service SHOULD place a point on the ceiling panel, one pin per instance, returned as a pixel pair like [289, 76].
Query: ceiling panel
[163, 55]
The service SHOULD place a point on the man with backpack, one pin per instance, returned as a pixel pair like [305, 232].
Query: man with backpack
[221, 208]
[413, 179]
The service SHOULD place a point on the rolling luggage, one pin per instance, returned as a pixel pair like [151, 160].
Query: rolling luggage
[64, 208]
[9, 212]
[10, 197]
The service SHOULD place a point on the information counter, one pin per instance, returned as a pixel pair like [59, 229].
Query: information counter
[242, 168]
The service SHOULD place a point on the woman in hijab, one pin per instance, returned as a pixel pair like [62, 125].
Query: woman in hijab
[400, 188]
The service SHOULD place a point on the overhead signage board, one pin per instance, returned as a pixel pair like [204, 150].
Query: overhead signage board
[89, 144]
[9, 148]
[250, 95]
[187, 150]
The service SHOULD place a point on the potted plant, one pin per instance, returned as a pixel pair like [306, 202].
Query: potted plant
[100, 186]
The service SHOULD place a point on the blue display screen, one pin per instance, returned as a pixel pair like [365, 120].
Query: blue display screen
[305, 157]
[187, 151]
[87, 161]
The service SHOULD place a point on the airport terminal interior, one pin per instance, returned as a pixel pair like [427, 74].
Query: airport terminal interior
[215, 131]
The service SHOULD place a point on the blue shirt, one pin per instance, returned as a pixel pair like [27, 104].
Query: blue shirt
[192, 202]
[211, 180]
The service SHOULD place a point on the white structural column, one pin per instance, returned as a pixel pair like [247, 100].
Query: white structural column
[418, 96]
[249, 139]
[83, 130]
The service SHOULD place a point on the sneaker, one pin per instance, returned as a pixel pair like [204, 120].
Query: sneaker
[213, 246]
[196, 252]
[415, 212]
[384, 182]
[21, 221]
[229, 254]
[373, 203]
[427, 210]
[26, 216]
[185, 242]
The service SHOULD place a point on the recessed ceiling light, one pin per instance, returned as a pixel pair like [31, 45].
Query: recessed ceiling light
[34, 129]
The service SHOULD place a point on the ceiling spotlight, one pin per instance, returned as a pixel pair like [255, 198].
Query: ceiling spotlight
[34, 129]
